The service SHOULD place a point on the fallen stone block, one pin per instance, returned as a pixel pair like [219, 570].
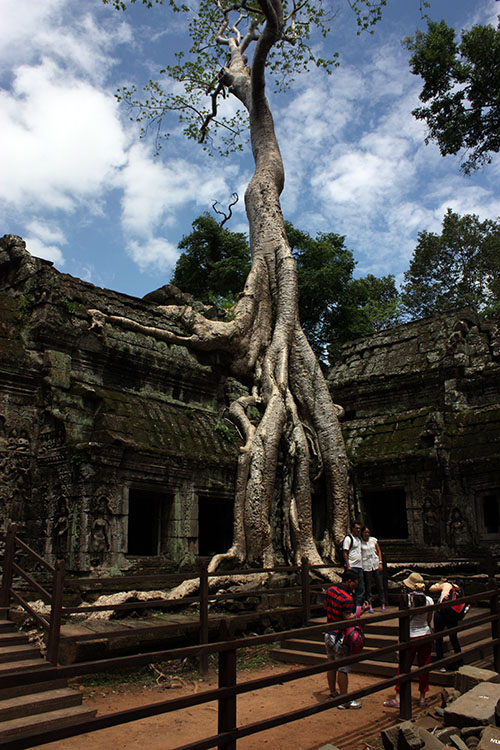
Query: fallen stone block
[409, 739]
[431, 742]
[444, 734]
[390, 736]
[468, 677]
[490, 739]
[458, 742]
[476, 707]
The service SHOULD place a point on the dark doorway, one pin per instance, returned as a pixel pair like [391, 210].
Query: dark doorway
[385, 513]
[215, 525]
[144, 522]
[489, 509]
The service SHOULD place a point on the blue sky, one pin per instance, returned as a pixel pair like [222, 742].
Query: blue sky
[80, 186]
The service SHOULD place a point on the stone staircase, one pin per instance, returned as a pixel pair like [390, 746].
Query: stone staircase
[311, 650]
[27, 709]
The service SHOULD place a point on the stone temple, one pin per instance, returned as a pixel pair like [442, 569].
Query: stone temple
[114, 448]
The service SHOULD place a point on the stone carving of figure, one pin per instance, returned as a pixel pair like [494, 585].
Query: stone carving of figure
[60, 529]
[458, 531]
[99, 543]
[430, 520]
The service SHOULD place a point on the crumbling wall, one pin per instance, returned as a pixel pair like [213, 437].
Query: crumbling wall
[422, 406]
[89, 416]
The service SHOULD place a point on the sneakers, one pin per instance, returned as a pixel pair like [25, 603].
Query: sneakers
[371, 611]
[351, 704]
[335, 694]
[382, 608]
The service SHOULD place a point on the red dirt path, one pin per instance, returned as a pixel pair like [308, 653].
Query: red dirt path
[344, 729]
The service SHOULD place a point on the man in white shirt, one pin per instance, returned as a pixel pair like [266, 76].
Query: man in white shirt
[351, 549]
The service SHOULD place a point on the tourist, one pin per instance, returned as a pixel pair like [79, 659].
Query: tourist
[339, 605]
[420, 626]
[448, 617]
[371, 561]
[351, 550]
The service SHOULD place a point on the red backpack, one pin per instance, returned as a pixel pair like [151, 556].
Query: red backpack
[354, 639]
[457, 593]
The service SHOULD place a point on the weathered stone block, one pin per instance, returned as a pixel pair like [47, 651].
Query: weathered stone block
[390, 736]
[457, 741]
[468, 676]
[477, 706]
[431, 742]
[490, 739]
[444, 734]
[409, 739]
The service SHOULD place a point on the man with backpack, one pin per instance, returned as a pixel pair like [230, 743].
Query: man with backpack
[448, 617]
[351, 551]
[339, 605]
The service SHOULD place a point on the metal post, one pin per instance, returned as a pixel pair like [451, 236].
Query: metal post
[55, 613]
[227, 678]
[306, 591]
[203, 618]
[404, 659]
[8, 571]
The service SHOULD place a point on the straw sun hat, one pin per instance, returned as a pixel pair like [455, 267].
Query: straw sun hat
[414, 582]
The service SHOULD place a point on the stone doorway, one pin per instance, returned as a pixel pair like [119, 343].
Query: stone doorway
[488, 511]
[147, 513]
[385, 513]
[215, 525]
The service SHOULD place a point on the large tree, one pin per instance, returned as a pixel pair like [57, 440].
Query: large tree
[461, 89]
[333, 306]
[458, 268]
[233, 44]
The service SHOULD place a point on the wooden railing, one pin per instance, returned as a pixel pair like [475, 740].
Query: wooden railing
[229, 689]
[53, 599]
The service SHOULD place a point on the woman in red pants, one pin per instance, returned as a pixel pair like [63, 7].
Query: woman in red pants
[420, 626]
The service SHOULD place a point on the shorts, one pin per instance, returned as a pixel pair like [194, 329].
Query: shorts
[336, 649]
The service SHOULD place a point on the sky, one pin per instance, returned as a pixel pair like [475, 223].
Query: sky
[86, 192]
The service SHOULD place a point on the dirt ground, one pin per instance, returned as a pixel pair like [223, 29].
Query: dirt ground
[346, 730]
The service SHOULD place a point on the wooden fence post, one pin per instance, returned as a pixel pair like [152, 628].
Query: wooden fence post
[8, 571]
[55, 613]
[227, 678]
[404, 658]
[306, 591]
[203, 618]
[494, 609]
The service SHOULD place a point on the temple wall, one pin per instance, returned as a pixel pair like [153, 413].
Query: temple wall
[110, 441]
[422, 429]
[114, 448]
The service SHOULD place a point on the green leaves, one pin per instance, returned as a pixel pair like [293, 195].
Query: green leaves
[220, 33]
[459, 268]
[462, 86]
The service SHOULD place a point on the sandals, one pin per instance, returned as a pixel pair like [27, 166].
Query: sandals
[391, 703]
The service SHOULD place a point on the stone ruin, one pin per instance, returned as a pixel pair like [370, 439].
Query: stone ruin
[114, 449]
[422, 428]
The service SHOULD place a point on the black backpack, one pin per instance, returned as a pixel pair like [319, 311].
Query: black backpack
[340, 548]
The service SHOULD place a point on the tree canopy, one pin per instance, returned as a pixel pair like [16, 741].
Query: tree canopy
[458, 268]
[461, 89]
[214, 262]
[333, 306]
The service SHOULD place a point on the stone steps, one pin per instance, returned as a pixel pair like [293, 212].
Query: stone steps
[28, 709]
[310, 650]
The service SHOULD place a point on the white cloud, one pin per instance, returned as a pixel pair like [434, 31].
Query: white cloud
[153, 252]
[61, 139]
[39, 249]
[153, 191]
